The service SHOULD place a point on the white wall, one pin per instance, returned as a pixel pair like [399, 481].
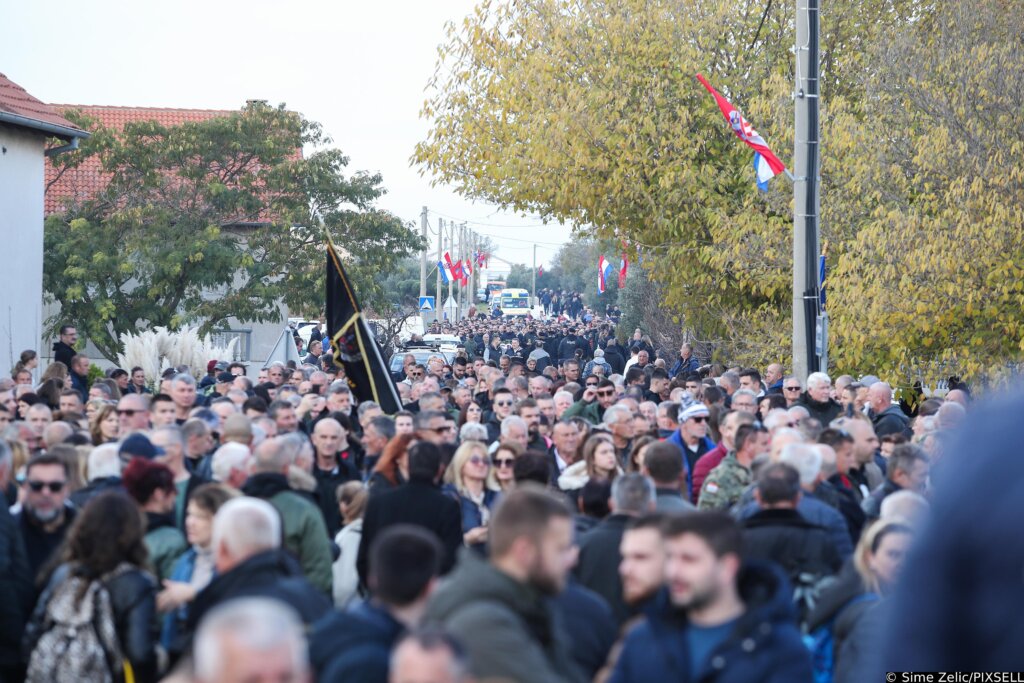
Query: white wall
[21, 237]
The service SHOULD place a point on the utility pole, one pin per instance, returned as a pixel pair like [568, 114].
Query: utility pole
[438, 301]
[423, 253]
[533, 282]
[806, 157]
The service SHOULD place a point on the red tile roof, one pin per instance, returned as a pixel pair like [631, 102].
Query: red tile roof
[88, 179]
[14, 100]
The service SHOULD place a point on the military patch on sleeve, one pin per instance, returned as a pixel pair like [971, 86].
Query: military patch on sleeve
[711, 487]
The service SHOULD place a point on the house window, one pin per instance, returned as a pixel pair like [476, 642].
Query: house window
[243, 347]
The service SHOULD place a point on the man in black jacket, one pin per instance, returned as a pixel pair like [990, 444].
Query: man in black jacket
[356, 644]
[331, 469]
[250, 563]
[64, 349]
[598, 566]
[780, 534]
[15, 583]
[420, 503]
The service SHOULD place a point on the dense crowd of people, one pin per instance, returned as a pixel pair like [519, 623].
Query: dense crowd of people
[554, 502]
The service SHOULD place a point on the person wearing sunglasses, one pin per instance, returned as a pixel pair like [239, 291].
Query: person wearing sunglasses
[466, 481]
[133, 413]
[692, 439]
[791, 390]
[503, 461]
[45, 515]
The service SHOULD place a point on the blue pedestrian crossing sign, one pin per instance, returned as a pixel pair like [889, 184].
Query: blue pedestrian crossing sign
[426, 303]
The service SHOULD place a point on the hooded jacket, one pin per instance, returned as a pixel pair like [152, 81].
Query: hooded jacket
[63, 352]
[510, 631]
[891, 421]
[305, 534]
[764, 645]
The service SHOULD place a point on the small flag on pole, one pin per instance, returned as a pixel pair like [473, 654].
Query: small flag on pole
[623, 267]
[540, 270]
[443, 270]
[766, 164]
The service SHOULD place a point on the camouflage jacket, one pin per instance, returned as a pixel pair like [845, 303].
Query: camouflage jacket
[724, 485]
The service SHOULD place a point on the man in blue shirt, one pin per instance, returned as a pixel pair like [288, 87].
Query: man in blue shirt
[718, 617]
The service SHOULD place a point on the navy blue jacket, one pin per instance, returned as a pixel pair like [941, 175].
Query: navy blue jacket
[765, 645]
[589, 624]
[471, 515]
[354, 645]
[684, 367]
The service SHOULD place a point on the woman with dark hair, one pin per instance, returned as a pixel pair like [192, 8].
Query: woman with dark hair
[26, 401]
[105, 426]
[471, 412]
[104, 555]
[49, 392]
[28, 360]
[635, 463]
[599, 462]
[392, 468]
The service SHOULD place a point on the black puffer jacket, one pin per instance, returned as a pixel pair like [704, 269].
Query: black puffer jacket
[133, 601]
[15, 589]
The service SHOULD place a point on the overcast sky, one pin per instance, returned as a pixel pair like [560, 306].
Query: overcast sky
[359, 68]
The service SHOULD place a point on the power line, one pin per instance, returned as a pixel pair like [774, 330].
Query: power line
[488, 225]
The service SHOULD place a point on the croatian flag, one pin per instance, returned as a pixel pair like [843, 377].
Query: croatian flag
[604, 271]
[441, 268]
[623, 267]
[766, 164]
[467, 268]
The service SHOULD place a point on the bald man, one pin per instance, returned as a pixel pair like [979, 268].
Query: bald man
[885, 416]
[334, 466]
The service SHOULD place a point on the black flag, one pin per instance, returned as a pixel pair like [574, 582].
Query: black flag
[354, 346]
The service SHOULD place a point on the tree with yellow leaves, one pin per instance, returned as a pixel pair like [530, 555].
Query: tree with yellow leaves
[587, 112]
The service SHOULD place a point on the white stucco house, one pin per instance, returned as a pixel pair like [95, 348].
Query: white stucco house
[30, 130]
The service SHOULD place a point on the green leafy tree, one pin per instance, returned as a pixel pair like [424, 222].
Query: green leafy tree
[211, 220]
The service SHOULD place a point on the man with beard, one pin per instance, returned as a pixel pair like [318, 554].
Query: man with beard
[498, 608]
[719, 618]
[44, 516]
[530, 412]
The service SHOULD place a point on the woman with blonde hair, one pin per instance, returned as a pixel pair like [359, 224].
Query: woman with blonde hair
[59, 371]
[466, 481]
[599, 462]
[352, 497]
[850, 607]
[105, 425]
